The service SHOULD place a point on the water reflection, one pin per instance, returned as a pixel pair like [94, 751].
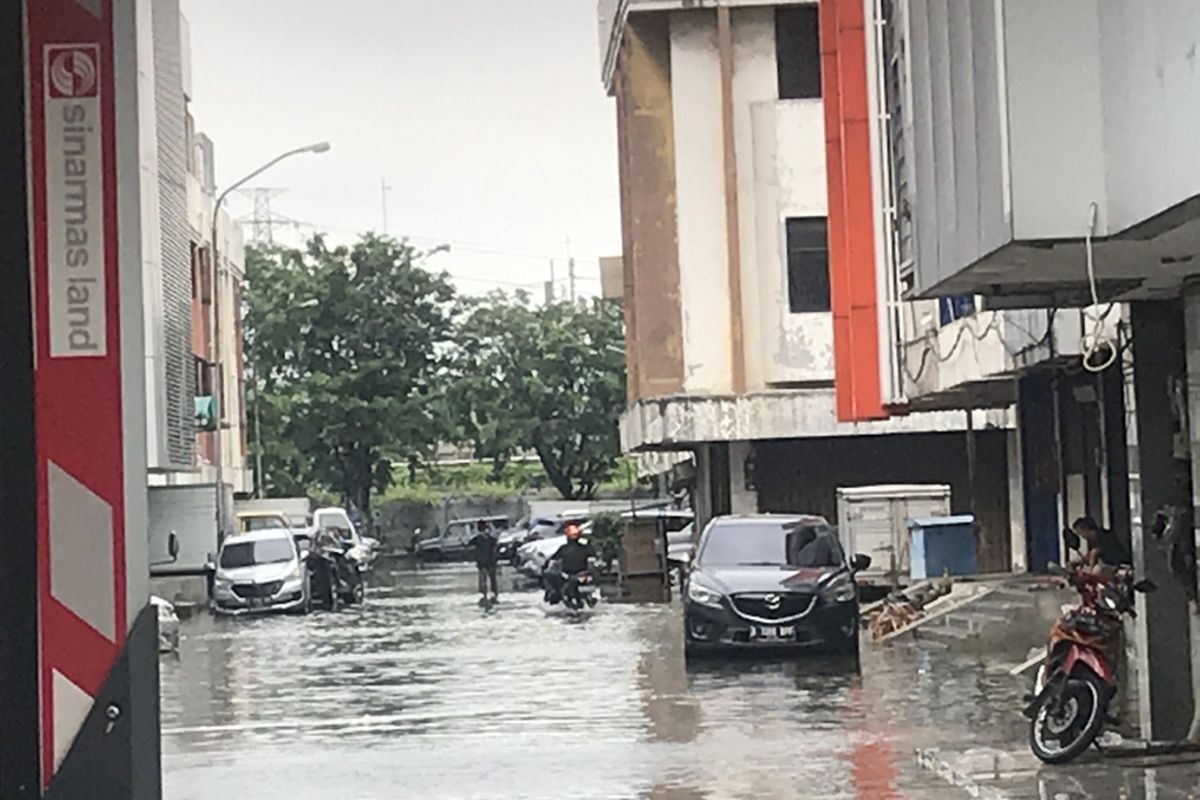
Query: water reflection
[421, 694]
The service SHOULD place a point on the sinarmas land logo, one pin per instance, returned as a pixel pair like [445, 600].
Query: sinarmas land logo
[73, 71]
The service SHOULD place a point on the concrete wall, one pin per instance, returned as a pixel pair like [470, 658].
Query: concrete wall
[700, 197]
[645, 140]
[780, 153]
[1151, 98]
[802, 348]
[803, 475]
[1017, 116]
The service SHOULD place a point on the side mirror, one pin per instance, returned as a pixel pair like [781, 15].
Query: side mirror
[210, 563]
[859, 562]
[173, 546]
[1145, 586]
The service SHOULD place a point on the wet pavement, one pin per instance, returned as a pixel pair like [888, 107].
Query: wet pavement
[421, 694]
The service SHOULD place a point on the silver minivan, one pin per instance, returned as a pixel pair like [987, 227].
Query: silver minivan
[258, 572]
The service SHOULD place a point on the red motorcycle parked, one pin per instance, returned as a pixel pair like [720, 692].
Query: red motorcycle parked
[1077, 680]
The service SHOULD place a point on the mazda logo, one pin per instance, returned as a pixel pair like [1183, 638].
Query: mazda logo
[773, 601]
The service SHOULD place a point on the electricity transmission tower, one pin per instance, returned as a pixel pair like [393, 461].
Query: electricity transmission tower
[263, 222]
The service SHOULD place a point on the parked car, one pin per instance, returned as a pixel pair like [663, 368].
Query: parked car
[454, 543]
[259, 572]
[533, 556]
[512, 539]
[771, 581]
[168, 625]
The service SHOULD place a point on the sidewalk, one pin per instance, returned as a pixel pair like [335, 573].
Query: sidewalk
[988, 773]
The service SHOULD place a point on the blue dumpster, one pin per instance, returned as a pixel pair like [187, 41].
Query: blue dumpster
[941, 545]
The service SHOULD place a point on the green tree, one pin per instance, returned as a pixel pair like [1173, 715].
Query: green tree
[549, 379]
[346, 345]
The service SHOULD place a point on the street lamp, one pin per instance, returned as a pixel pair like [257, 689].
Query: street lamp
[219, 384]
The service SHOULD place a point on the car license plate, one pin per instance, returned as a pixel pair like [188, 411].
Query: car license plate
[773, 633]
[257, 602]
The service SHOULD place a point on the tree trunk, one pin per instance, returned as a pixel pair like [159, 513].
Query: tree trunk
[553, 471]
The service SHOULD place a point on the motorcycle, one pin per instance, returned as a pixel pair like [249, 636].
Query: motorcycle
[577, 591]
[1077, 680]
[580, 591]
[336, 577]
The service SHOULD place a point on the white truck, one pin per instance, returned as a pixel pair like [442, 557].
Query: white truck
[872, 520]
[190, 513]
[297, 510]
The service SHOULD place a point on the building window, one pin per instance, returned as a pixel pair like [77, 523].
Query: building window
[798, 52]
[954, 308]
[807, 264]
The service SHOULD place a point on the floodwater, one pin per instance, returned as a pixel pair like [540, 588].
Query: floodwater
[420, 694]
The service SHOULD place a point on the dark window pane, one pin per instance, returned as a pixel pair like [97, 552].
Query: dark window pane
[956, 307]
[798, 52]
[807, 264]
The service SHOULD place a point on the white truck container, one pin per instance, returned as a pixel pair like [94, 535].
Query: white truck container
[190, 512]
[872, 520]
[298, 510]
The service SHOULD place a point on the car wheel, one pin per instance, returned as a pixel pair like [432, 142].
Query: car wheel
[360, 591]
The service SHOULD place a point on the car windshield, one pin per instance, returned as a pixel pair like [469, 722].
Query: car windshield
[263, 551]
[782, 544]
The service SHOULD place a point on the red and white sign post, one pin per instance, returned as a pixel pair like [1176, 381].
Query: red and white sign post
[80, 385]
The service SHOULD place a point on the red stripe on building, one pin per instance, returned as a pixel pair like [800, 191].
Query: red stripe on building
[853, 295]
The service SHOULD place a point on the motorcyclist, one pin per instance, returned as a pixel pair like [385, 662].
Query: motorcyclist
[485, 545]
[569, 561]
[1103, 547]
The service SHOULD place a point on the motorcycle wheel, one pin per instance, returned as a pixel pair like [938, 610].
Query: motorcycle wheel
[1066, 723]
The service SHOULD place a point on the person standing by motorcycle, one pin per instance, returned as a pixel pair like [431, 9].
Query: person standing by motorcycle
[573, 559]
[486, 547]
[1103, 546]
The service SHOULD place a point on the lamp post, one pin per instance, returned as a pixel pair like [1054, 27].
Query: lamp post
[219, 383]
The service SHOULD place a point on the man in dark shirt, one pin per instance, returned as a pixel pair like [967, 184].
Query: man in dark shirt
[1102, 546]
[573, 558]
[485, 546]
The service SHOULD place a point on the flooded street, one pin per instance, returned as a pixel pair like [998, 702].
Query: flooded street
[420, 694]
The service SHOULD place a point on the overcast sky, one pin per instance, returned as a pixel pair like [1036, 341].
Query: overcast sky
[487, 119]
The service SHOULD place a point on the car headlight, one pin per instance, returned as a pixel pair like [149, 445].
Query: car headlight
[704, 595]
[840, 589]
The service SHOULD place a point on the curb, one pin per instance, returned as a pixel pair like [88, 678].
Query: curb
[930, 760]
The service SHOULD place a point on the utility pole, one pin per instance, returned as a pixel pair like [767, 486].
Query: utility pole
[384, 188]
[550, 289]
[571, 277]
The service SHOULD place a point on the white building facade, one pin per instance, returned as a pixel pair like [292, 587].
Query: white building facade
[727, 285]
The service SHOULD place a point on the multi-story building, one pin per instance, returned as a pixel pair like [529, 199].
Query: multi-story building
[190, 300]
[1036, 172]
[729, 229]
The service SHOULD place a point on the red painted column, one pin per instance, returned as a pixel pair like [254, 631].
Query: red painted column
[852, 265]
[839, 284]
